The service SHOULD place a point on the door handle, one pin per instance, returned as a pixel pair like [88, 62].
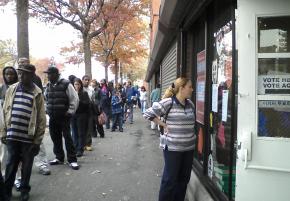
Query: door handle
[243, 95]
[245, 146]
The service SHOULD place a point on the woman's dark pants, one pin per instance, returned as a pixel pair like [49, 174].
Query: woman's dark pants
[176, 175]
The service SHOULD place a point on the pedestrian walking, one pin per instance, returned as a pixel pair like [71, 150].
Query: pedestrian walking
[61, 103]
[80, 118]
[24, 127]
[178, 138]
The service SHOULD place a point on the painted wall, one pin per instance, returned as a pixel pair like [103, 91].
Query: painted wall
[263, 176]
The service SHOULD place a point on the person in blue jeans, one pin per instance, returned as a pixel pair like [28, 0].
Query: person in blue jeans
[177, 140]
[117, 111]
[130, 94]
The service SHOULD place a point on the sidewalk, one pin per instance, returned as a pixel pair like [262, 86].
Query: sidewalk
[122, 167]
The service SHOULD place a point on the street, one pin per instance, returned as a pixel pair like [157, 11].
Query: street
[122, 167]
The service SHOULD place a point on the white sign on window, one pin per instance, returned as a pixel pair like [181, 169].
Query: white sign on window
[225, 105]
[273, 84]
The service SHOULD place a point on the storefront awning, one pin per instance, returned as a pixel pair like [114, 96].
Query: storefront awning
[172, 14]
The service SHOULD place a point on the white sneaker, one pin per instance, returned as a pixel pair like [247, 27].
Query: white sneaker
[74, 165]
[17, 183]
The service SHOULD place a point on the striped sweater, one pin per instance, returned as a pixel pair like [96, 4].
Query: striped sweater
[20, 117]
[180, 122]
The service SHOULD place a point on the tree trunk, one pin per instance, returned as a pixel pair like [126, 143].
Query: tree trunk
[87, 55]
[121, 73]
[106, 70]
[22, 28]
[116, 71]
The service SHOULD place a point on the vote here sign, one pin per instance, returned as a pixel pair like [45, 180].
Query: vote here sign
[274, 84]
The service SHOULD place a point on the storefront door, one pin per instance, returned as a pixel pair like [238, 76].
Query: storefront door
[263, 159]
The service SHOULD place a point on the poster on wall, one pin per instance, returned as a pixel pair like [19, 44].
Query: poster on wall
[214, 73]
[222, 65]
[214, 98]
[200, 86]
[225, 105]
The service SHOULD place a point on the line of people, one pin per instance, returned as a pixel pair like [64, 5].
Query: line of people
[73, 107]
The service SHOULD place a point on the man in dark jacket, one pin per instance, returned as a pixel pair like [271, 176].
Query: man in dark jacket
[61, 103]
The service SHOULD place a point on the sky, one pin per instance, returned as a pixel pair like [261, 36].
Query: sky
[46, 40]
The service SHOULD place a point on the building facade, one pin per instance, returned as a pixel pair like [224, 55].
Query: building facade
[237, 54]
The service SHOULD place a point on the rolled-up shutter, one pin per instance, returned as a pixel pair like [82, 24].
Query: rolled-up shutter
[169, 68]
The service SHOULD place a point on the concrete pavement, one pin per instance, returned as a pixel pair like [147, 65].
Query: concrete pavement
[122, 167]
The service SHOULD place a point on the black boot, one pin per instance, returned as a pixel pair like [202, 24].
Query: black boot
[24, 196]
[3, 195]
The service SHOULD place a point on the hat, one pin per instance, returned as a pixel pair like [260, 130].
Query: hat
[52, 70]
[23, 60]
[27, 68]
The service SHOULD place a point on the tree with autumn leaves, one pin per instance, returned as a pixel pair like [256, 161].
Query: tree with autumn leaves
[122, 42]
[42, 64]
[90, 17]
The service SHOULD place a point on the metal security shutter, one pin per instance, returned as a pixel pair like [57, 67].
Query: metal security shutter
[169, 68]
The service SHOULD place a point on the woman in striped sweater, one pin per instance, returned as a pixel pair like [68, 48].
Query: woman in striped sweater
[178, 140]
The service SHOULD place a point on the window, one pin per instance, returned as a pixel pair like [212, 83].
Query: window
[273, 34]
[273, 84]
[221, 111]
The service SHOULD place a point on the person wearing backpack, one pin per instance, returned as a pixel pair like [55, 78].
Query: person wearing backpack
[178, 139]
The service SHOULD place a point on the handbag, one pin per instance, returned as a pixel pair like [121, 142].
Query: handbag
[102, 118]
